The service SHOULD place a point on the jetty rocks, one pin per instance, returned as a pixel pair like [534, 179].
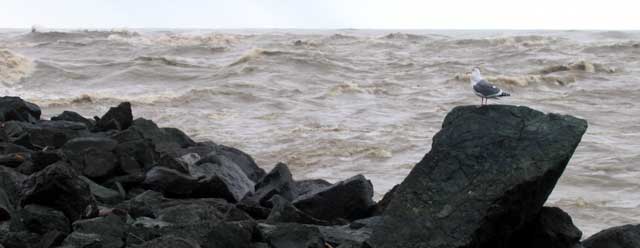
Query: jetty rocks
[115, 181]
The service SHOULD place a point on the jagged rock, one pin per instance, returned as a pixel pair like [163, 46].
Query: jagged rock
[338, 235]
[52, 239]
[6, 206]
[284, 212]
[41, 219]
[13, 160]
[166, 140]
[386, 199]
[110, 231]
[137, 156]
[291, 235]
[117, 118]
[58, 186]
[349, 199]
[489, 172]
[93, 156]
[189, 213]
[223, 179]
[101, 193]
[44, 134]
[170, 182]
[37, 161]
[304, 187]
[82, 240]
[173, 163]
[168, 241]
[9, 187]
[278, 182]
[153, 204]
[16, 109]
[627, 236]
[243, 160]
[552, 228]
[74, 117]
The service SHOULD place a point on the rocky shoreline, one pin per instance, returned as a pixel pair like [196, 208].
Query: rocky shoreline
[115, 181]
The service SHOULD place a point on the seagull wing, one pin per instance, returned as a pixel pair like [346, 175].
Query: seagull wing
[486, 89]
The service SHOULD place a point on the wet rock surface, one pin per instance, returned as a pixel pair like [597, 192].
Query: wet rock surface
[116, 181]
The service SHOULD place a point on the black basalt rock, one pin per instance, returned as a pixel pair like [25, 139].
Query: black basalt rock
[488, 173]
[15, 109]
[552, 228]
[627, 236]
[117, 118]
[350, 199]
[58, 186]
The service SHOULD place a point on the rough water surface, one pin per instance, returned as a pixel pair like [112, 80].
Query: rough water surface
[335, 103]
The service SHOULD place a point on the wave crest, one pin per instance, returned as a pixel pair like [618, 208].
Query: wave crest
[13, 67]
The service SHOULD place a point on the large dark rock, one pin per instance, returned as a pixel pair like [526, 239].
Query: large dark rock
[16, 109]
[278, 182]
[10, 181]
[386, 199]
[304, 187]
[41, 219]
[284, 212]
[109, 230]
[221, 177]
[93, 156]
[73, 116]
[58, 186]
[243, 160]
[627, 236]
[488, 173]
[103, 194]
[171, 182]
[44, 134]
[291, 235]
[171, 141]
[349, 199]
[117, 118]
[552, 228]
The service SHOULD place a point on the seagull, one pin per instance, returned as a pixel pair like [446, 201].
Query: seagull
[484, 89]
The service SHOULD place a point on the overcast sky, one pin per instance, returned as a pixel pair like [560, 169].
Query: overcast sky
[323, 14]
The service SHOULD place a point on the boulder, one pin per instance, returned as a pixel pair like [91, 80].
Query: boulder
[137, 156]
[6, 206]
[117, 118]
[170, 182]
[386, 199]
[74, 117]
[103, 194]
[189, 213]
[627, 236]
[58, 186]
[222, 179]
[304, 187]
[93, 156]
[278, 182]
[489, 171]
[229, 235]
[350, 199]
[291, 235]
[41, 219]
[243, 160]
[16, 109]
[166, 140]
[284, 212]
[44, 134]
[38, 160]
[82, 240]
[110, 231]
[170, 162]
[10, 181]
[552, 228]
[19, 239]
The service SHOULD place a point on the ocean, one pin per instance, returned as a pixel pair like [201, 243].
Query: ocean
[335, 103]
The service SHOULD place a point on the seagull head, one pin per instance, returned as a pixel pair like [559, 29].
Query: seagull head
[475, 75]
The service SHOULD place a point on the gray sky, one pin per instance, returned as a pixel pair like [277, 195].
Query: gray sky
[325, 14]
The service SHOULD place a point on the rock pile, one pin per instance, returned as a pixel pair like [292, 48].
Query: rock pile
[115, 181]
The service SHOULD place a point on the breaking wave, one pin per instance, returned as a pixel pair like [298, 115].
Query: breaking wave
[13, 67]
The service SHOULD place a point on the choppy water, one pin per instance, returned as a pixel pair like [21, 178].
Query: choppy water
[333, 104]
